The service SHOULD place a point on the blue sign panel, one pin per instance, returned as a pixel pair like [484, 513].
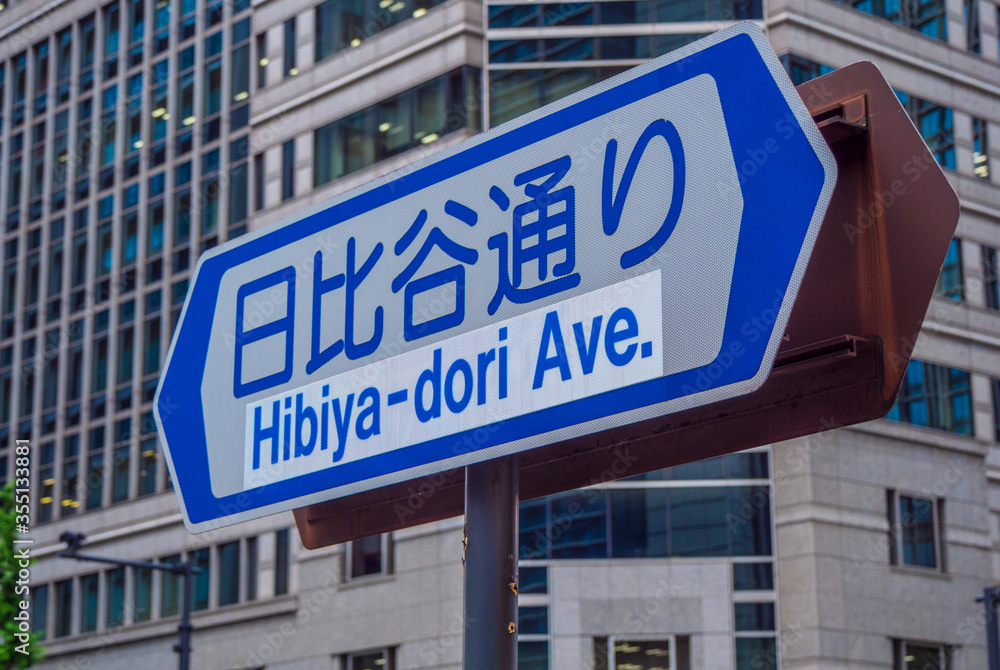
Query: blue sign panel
[626, 252]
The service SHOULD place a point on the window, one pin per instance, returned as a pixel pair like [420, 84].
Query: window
[980, 149]
[934, 396]
[151, 346]
[935, 124]
[638, 654]
[258, 181]
[532, 654]
[516, 92]
[950, 282]
[238, 193]
[995, 384]
[919, 656]
[914, 530]
[95, 475]
[229, 573]
[64, 608]
[40, 609]
[142, 594]
[71, 475]
[170, 590]
[753, 577]
[532, 579]
[972, 32]
[281, 562]
[251, 574]
[262, 60]
[99, 365]
[115, 597]
[756, 653]
[924, 16]
[754, 616]
[46, 480]
[341, 25]
[288, 170]
[369, 556]
[991, 282]
[532, 638]
[88, 603]
[148, 455]
[513, 16]
[290, 47]
[120, 473]
[800, 70]
[625, 520]
[126, 342]
[414, 118]
[202, 581]
[213, 87]
[381, 659]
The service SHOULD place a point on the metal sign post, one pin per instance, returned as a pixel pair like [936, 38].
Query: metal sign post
[490, 548]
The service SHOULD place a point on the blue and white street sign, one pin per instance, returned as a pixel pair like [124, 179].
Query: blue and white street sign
[629, 251]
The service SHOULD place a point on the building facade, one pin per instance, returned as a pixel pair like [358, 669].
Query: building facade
[136, 134]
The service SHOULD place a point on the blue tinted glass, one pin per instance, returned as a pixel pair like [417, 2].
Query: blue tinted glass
[533, 620]
[756, 653]
[916, 516]
[919, 414]
[578, 525]
[639, 523]
[513, 16]
[533, 529]
[533, 655]
[533, 579]
[754, 616]
[698, 524]
[753, 576]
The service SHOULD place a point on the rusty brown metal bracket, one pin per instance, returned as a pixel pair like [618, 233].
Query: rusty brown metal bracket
[845, 349]
[845, 119]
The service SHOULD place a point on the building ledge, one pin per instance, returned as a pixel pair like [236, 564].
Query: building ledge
[928, 437]
[149, 630]
[920, 572]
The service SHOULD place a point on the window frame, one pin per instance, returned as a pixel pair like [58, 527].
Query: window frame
[935, 390]
[386, 550]
[894, 498]
[900, 648]
[991, 277]
[980, 148]
[954, 292]
[388, 654]
[613, 641]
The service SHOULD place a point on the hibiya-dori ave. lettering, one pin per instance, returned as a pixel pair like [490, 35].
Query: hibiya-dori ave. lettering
[589, 344]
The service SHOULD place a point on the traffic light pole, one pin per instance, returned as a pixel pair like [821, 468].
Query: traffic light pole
[185, 570]
[490, 549]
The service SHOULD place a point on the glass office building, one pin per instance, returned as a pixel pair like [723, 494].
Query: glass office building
[136, 135]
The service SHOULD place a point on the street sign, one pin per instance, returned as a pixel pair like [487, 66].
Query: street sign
[629, 251]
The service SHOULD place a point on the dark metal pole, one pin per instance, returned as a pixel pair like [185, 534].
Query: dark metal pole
[989, 599]
[185, 571]
[184, 628]
[491, 519]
